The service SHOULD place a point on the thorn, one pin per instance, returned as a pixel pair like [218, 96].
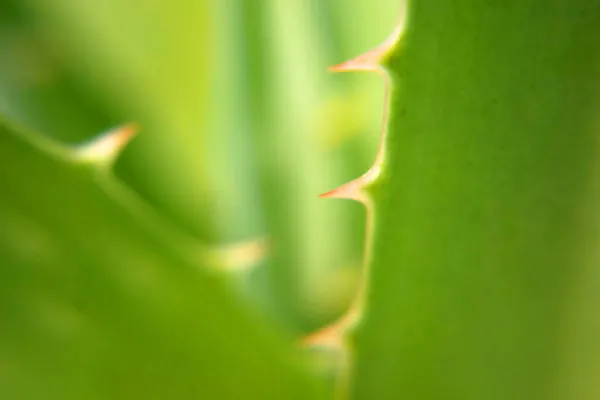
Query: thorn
[355, 189]
[105, 148]
[331, 336]
[369, 61]
[372, 60]
[328, 337]
[240, 256]
[350, 190]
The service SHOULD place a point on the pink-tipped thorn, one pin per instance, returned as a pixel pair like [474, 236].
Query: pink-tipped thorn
[372, 59]
[124, 134]
[350, 190]
[105, 148]
[354, 190]
[332, 335]
[329, 337]
[116, 140]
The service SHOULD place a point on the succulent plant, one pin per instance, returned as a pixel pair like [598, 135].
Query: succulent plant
[479, 272]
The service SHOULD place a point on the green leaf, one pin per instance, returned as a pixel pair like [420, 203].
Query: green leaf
[484, 281]
[96, 302]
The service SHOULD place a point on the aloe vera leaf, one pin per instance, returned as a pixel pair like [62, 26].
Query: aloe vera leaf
[483, 229]
[97, 303]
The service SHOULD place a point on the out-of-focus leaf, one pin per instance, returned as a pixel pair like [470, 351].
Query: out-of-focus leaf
[286, 77]
[96, 304]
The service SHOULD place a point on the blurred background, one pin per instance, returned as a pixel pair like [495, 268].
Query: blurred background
[242, 126]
